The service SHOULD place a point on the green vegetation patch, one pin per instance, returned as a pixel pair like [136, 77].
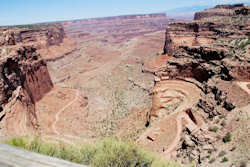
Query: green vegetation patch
[227, 138]
[213, 128]
[105, 153]
[224, 159]
[62, 151]
[242, 43]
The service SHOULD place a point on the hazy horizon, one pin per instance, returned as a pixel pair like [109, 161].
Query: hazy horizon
[19, 12]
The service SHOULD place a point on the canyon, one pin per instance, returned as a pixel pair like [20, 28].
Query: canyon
[129, 77]
[78, 64]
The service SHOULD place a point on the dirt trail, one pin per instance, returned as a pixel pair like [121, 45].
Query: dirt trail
[166, 92]
[244, 86]
[60, 111]
[179, 131]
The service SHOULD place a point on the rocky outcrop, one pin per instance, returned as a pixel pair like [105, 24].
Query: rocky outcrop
[222, 10]
[24, 80]
[39, 35]
[7, 38]
[24, 68]
[210, 53]
[49, 39]
[205, 49]
[55, 35]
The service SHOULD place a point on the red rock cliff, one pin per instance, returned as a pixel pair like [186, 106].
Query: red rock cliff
[24, 77]
[23, 67]
[222, 10]
[209, 51]
[211, 47]
[41, 36]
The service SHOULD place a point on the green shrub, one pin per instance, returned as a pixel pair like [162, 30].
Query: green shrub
[224, 159]
[111, 153]
[35, 145]
[88, 153]
[242, 45]
[213, 128]
[114, 153]
[227, 138]
[62, 151]
[106, 153]
[18, 142]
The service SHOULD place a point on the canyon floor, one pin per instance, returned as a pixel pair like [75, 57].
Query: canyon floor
[177, 92]
[113, 91]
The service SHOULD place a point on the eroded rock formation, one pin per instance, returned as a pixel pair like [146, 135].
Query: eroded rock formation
[223, 10]
[39, 35]
[204, 49]
[212, 53]
[24, 77]
[24, 68]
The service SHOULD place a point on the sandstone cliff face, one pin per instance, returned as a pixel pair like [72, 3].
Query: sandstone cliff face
[212, 53]
[39, 35]
[203, 49]
[49, 39]
[222, 10]
[24, 77]
[26, 69]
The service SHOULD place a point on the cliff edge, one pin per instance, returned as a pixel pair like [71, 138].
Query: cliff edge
[24, 77]
[213, 53]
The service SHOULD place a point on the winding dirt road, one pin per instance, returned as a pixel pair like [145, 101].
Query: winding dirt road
[190, 124]
[167, 93]
[60, 111]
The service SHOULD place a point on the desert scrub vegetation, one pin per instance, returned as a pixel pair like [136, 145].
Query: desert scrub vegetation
[241, 43]
[62, 151]
[227, 138]
[105, 153]
[213, 129]
[224, 159]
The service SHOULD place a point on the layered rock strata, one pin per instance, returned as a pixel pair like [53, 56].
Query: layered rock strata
[38, 35]
[24, 68]
[223, 10]
[116, 29]
[24, 77]
[209, 51]
[212, 53]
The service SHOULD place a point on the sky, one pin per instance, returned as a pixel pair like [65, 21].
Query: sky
[15, 12]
